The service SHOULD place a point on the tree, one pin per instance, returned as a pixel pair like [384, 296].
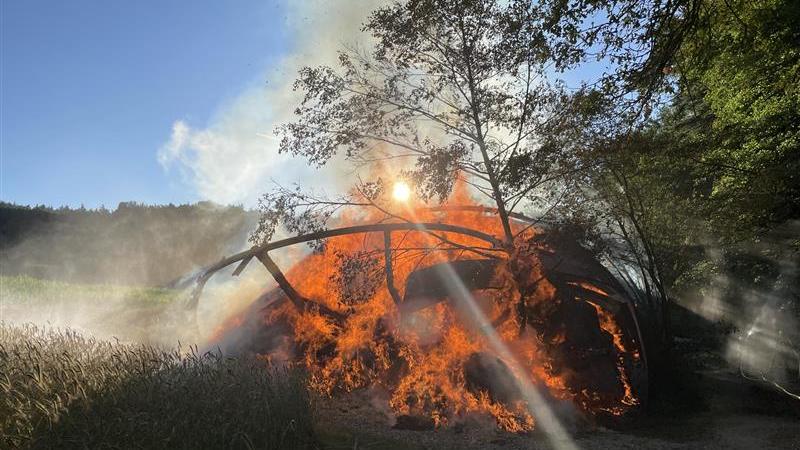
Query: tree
[456, 90]
[703, 151]
[739, 78]
[720, 151]
[459, 90]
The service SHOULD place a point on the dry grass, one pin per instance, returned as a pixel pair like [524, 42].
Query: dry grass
[59, 389]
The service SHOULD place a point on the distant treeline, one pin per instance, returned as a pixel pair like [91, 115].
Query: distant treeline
[133, 244]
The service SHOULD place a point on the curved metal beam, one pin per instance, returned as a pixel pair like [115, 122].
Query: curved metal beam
[247, 255]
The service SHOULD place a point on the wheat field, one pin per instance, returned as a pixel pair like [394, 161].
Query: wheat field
[60, 389]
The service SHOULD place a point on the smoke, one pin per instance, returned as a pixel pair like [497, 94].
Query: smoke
[235, 158]
[132, 313]
[231, 160]
[128, 273]
[755, 293]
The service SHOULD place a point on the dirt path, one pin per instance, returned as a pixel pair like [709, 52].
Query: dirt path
[358, 424]
[723, 411]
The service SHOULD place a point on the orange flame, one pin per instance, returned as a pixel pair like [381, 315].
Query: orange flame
[421, 358]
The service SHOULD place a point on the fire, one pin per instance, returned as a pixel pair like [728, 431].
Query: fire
[609, 325]
[432, 359]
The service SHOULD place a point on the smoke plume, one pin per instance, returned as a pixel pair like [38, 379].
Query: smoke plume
[235, 158]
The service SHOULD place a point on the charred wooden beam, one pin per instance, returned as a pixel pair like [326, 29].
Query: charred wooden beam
[295, 297]
[298, 300]
[241, 266]
[387, 256]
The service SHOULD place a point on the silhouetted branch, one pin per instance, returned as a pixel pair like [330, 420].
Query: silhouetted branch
[387, 254]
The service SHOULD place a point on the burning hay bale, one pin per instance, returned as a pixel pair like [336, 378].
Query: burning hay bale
[462, 335]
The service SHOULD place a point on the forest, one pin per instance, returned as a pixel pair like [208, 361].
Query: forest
[134, 244]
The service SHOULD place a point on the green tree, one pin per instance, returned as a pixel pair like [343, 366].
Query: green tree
[703, 149]
[454, 88]
[740, 82]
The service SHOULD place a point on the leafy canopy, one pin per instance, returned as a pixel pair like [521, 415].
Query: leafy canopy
[450, 90]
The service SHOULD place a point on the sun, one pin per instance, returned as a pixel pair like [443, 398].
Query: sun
[401, 191]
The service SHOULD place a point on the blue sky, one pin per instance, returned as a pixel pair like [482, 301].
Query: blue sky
[159, 102]
[91, 90]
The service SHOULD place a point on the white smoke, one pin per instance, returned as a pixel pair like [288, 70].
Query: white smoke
[235, 158]
[229, 160]
[765, 342]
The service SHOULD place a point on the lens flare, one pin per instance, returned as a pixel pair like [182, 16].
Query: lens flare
[401, 191]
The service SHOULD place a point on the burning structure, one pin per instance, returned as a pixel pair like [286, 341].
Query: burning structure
[455, 310]
[448, 321]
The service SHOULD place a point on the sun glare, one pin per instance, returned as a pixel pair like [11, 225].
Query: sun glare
[401, 191]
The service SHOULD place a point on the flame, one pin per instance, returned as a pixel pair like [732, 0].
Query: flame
[610, 326]
[421, 357]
